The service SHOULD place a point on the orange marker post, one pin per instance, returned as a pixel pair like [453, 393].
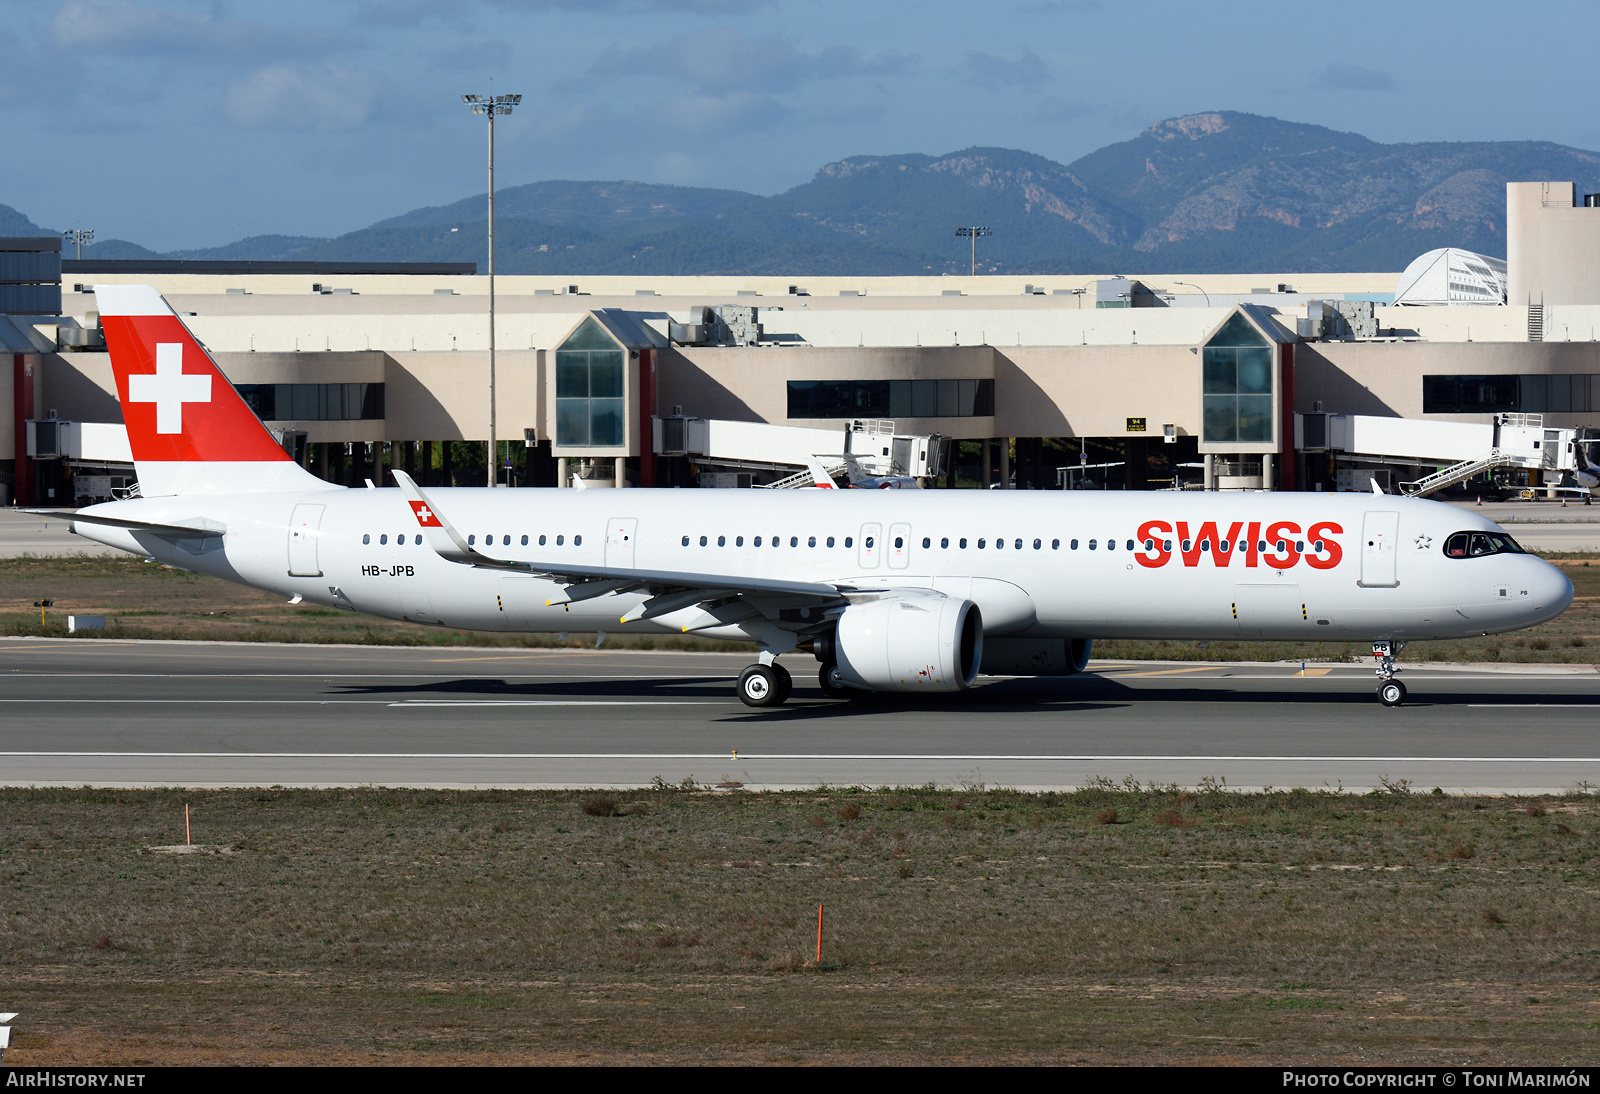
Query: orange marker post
[186, 840]
[819, 934]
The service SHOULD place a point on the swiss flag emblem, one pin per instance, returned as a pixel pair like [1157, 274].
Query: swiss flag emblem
[425, 515]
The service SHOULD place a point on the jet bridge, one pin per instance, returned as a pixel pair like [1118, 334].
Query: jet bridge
[731, 453]
[1460, 451]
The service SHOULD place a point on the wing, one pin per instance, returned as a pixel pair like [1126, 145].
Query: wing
[670, 590]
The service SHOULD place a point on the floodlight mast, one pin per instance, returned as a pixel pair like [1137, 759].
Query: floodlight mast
[490, 105]
[79, 236]
[972, 233]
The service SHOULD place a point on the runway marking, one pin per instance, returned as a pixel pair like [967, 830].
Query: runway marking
[1164, 672]
[1313, 672]
[743, 757]
[412, 703]
[18, 675]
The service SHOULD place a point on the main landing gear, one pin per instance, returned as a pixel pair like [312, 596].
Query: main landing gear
[1391, 692]
[765, 685]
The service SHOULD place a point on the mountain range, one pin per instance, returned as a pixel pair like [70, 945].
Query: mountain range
[1219, 192]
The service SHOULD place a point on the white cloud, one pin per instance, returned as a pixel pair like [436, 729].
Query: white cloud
[323, 98]
[130, 29]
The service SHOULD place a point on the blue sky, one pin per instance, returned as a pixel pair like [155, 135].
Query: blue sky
[188, 124]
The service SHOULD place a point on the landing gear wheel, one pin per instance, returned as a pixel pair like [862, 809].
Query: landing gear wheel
[832, 681]
[785, 684]
[762, 686]
[1391, 693]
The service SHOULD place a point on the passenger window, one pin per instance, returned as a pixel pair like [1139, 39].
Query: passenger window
[1093, 544]
[419, 539]
[524, 541]
[1111, 545]
[1130, 545]
[366, 537]
[1224, 545]
[811, 541]
[794, 541]
[944, 543]
[999, 544]
[738, 541]
[1055, 545]
[830, 541]
[702, 541]
[561, 540]
[685, 541]
[1300, 546]
[981, 543]
[1037, 544]
[849, 541]
[926, 543]
[1166, 545]
[1073, 545]
[867, 542]
[756, 541]
[1205, 545]
[1149, 545]
[963, 545]
[722, 541]
[577, 541]
[1261, 546]
[1016, 545]
[776, 542]
[1319, 546]
[899, 542]
[1282, 546]
[1187, 542]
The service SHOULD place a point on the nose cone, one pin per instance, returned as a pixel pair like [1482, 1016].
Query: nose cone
[1550, 590]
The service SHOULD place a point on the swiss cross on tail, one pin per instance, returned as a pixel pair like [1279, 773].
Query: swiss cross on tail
[178, 407]
[425, 515]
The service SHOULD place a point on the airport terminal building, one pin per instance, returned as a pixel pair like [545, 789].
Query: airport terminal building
[1119, 382]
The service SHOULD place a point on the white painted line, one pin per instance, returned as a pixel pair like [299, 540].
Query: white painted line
[17, 675]
[754, 757]
[431, 703]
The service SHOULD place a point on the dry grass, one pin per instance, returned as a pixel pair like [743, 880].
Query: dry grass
[503, 927]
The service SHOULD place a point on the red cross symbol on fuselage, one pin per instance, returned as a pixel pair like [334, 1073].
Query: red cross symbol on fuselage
[425, 516]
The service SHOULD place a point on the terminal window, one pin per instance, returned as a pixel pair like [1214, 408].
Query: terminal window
[313, 402]
[891, 398]
[1237, 385]
[1562, 393]
[589, 383]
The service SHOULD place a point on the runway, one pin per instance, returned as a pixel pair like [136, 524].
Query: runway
[125, 714]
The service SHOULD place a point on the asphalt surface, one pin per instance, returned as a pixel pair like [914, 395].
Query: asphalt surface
[108, 713]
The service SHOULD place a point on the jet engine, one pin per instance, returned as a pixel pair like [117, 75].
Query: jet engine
[1035, 656]
[910, 643]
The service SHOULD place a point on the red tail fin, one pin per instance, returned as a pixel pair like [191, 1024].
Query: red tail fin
[188, 428]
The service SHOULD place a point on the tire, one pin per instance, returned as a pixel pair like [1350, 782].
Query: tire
[833, 685]
[785, 684]
[1391, 693]
[760, 686]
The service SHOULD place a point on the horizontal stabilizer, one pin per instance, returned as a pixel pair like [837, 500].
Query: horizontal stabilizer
[202, 528]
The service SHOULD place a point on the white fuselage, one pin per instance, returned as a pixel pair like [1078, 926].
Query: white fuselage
[1382, 574]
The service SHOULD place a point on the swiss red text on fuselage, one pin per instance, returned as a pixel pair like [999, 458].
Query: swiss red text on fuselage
[1277, 544]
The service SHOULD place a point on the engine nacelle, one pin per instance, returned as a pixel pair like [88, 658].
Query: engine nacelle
[914, 643]
[1035, 656]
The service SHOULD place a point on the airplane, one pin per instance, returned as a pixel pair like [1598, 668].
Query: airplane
[1588, 475]
[856, 477]
[917, 591]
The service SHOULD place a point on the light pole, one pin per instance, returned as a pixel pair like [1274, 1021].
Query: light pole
[490, 105]
[1197, 288]
[79, 236]
[973, 233]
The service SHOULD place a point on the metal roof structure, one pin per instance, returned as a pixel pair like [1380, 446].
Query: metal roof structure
[1450, 275]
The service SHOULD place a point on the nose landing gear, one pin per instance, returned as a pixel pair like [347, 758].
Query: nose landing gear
[1391, 692]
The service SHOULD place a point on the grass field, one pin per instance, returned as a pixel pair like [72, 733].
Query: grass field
[147, 601]
[676, 925]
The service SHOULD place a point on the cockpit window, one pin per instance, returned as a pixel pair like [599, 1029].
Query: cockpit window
[1480, 544]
